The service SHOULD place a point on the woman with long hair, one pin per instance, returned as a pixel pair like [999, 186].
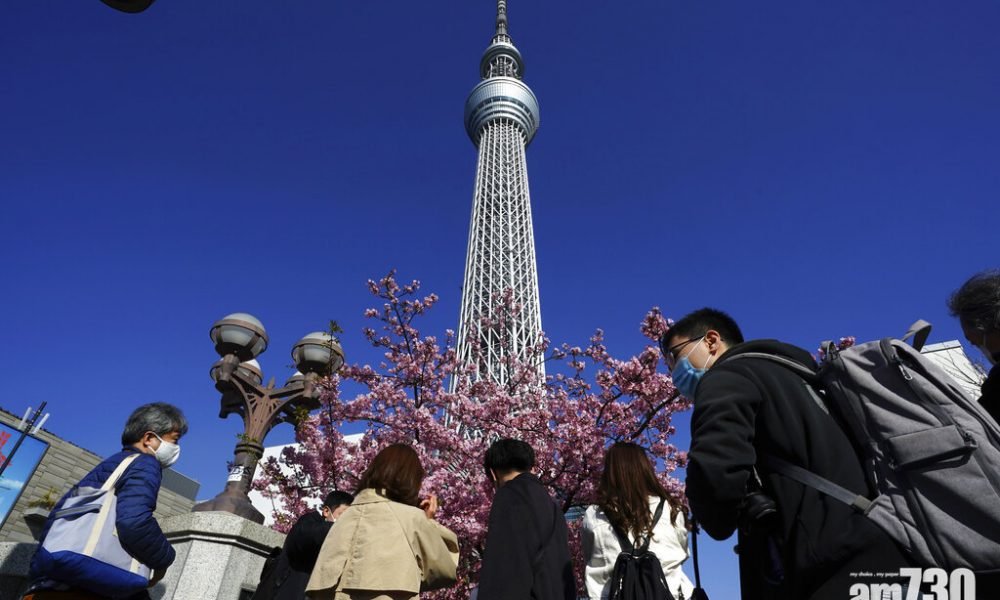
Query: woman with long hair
[628, 497]
[387, 545]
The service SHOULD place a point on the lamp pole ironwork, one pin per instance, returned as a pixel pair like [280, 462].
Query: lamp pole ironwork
[239, 338]
[129, 6]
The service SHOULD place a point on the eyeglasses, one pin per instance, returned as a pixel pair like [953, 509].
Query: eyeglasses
[670, 354]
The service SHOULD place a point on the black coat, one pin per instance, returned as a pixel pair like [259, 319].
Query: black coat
[527, 552]
[746, 407]
[990, 584]
[286, 574]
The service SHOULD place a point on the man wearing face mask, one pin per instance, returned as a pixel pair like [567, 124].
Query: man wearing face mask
[977, 306]
[286, 574]
[151, 432]
[794, 542]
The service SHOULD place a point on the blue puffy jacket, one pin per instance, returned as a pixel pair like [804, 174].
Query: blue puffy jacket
[139, 533]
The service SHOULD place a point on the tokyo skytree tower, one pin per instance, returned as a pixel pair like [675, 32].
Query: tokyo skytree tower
[501, 117]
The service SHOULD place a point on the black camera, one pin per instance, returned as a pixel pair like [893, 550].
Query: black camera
[758, 514]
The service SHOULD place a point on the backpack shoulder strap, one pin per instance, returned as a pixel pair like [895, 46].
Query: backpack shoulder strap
[919, 331]
[656, 519]
[821, 484]
[118, 472]
[623, 540]
[103, 513]
[811, 377]
[800, 369]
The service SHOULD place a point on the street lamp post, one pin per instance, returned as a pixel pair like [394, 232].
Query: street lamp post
[239, 338]
[129, 6]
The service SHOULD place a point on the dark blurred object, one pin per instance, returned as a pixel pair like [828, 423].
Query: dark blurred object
[758, 514]
[129, 6]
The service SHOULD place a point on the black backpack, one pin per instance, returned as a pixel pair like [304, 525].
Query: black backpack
[638, 574]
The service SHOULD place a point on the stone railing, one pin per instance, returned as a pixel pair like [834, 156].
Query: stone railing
[219, 557]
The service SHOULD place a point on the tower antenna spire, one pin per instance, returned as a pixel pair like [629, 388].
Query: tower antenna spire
[502, 17]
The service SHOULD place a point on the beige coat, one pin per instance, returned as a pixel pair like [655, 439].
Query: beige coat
[383, 550]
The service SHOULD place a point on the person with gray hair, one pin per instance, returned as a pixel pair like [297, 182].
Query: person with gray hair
[150, 443]
[977, 306]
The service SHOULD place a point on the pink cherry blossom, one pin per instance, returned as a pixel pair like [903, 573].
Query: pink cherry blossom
[589, 400]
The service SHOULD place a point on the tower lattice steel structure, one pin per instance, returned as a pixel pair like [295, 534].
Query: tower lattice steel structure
[501, 117]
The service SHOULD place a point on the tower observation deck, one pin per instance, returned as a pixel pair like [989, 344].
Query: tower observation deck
[501, 118]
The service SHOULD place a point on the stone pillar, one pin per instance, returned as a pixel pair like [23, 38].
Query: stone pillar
[219, 556]
[15, 558]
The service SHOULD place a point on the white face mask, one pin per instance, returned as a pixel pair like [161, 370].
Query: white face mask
[167, 452]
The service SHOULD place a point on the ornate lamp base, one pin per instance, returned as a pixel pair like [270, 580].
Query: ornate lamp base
[234, 501]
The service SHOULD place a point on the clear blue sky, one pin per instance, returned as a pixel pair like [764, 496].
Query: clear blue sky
[817, 169]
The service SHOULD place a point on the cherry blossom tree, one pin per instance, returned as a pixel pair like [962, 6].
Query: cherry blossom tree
[569, 418]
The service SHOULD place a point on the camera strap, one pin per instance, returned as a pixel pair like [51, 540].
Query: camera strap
[699, 592]
[694, 547]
